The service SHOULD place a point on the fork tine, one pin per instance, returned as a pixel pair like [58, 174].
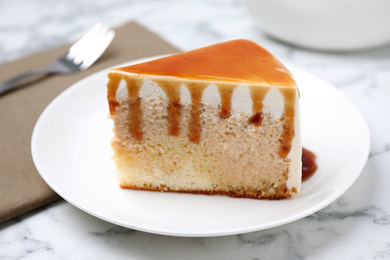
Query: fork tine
[89, 48]
[85, 40]
[94, 52]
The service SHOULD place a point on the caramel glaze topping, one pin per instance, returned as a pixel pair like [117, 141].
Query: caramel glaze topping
[238, 61]
[235, 62]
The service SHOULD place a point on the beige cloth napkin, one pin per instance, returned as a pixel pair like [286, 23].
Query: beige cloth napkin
[21, 187]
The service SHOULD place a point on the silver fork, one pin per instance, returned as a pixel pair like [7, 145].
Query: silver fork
[79, 57]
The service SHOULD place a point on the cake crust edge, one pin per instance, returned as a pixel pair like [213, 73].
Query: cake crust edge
[281, 193]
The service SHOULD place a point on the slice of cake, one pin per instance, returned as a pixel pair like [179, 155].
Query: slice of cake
[223, 119]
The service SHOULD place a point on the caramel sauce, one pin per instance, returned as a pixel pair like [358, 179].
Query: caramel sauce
[226, 93]
[195, 126]
[257, 95]
[112, 87]
[288, 131]
[172, 90]
[135, 110]
[309, 165]
[239, 62]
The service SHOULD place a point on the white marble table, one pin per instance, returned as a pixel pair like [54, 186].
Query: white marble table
[356, 226]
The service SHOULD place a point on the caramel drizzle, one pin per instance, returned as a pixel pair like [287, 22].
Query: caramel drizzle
[226, 93]
[195, 126]
[112, 87]
[135, 110]
[288, 131]
[257, 95]
[172, 90]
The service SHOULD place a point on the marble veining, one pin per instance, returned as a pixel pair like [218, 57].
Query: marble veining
[356, 226]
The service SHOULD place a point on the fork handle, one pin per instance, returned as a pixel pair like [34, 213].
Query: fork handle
[11, 84]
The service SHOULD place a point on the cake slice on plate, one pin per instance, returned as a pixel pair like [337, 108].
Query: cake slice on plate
[222, 119]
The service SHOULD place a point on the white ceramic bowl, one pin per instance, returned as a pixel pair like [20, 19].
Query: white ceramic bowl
[335, 25]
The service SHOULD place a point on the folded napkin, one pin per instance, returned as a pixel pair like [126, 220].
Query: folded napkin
[21, 187]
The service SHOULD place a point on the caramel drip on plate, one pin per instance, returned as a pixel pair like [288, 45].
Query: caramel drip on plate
[112, 87]
[172, 89]
[135, 109]
[288, 129]
[195, 126]
[257, 94]
[309, 165]
[226, 93]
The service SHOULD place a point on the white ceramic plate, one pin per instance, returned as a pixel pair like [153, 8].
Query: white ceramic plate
[71, 150]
